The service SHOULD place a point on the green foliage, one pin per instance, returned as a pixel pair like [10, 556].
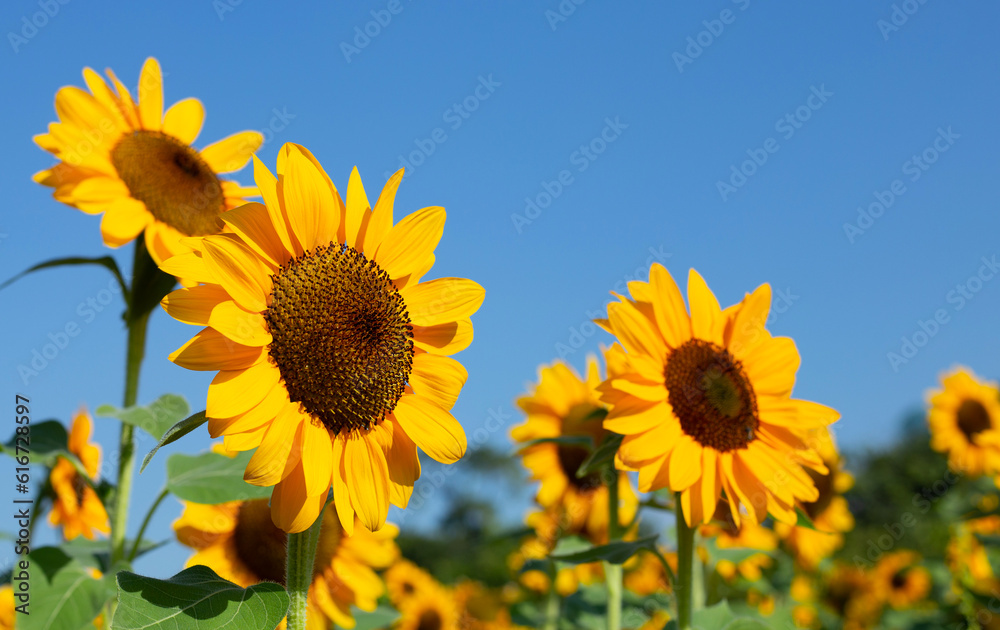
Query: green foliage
[196, 598]
[104, 261]
[616, 552]
[211, 478]
[155, 418]
[382, 617]
[64, 594]
[175, 433]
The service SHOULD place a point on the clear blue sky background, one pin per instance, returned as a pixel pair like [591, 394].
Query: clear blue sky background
[555, 83]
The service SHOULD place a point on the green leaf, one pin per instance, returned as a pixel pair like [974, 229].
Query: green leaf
[713, 617]
[804, 520]
[382, 617]
[211, 478]
[105, 261]
[95, 553]
[615, 553]
[601, 456]
[49, 441]
[155, 418]
[196, 598]
[64, 595]
[746, 623]
[175, 433]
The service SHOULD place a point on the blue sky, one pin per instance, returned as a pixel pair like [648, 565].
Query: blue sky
[572, 144]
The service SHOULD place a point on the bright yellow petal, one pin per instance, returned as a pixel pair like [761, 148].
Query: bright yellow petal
[356, 205]
[194, 305]
[685, 463]
[411, 241]
[210, 350]
[234, 392]
[381, 220]
[668, 306]
[151, 95]
[256, 418]
[771, 366]
[292, 510]
[268, 186]
[442, 300]
[367, 479]
[183, 120]
[438, 378]
[280, 450]
[317, 458]
[433, 429]
[238, 270]
[707, 321]
[253, 223]
[341, 493]
[749, 324]
[240, 325]
[310, 206]
[443, 339]
[233, 152]
[123, 221]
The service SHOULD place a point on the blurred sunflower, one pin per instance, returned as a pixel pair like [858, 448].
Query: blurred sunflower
[135, 163]
[747, 535]
[332, 355]
[900, 580]
[705, 405]
[564, 405]
[850, 593]
[549, 526]
[645, 573]
[804, 593]
[239, 542]
[432, 608]
[76, 506]
[964, 421]
[968, 558]
[480, 608]
[7, 607]
[404, 578]
[830, 513]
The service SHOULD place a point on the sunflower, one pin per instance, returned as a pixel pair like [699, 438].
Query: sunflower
[432, 608]
[850, 593]
[969, 559]
[7, 607]
[900, 580]
[239, 542]
[645, 573]
[564, 405]
[332, 355]
[135, 163]
[830, 513]
[404, 578]
[964, 420]
[480, 608]
[747, 535]
[76, 506]
[705, 402]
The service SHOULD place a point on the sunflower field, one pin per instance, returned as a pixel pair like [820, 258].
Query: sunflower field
[343, 406]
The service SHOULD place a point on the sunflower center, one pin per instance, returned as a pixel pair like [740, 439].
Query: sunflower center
[174, 182]
[79, 486]
[342, 338]
[570, 459]
[898, 579]
[261, 546]
[711, 395]
[973, 418]
[430, 620]
[824, 483]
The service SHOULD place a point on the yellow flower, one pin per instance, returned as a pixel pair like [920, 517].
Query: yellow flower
[404, 578]
[7, 607]
[76, 506]
[480, 608]
[705, 405]
[849, 591]
[967, 556]
[135, 163]
[432, 608]
[899, 580]
[332, 354]
[964, 420]
[645, 574]
[239, 542]
[830, 513]
[563, 404]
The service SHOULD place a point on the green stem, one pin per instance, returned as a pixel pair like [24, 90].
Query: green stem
[552, 604]
[685, 556]
[613, 572]
[299, 572]
[145, 522]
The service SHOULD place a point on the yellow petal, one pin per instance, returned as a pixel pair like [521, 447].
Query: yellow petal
[151, 95]
[210, 350]
[183, 120]
[443, 339]
[87, 115]
[238, 270]
[233, 152]
[646, 348]
[253, 223]
[99, 88]
[437, 378]
[341, 493]
[668, 307]
[309, 203]
[410, 241]
[748, 328]
[124, 220]
[368, 480]
[442, 300]
[433, 429]
[189, 265]
[771, 366]
[128, 108]
[381, 219]
[268, 186]
[356, 206]
[707, 321]
[317, 458]
[633, 415]
[234, 392]
[404, 465]
[246, 440]
[194, 305]
[254, 419]
[685, 463]
[240, 325]
[292, 509]
[279, 451]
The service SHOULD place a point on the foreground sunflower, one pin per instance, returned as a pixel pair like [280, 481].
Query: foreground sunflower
[134, 162]
[705, 404]
[238, 541]
[830, 513]
[332, 354]
[564, 405]
[76, 506]
[964, 421]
